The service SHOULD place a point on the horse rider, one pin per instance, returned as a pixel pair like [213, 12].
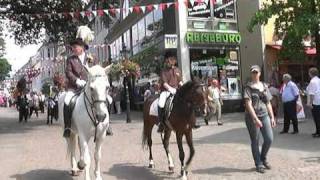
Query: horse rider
[170, 80]
[76, 75]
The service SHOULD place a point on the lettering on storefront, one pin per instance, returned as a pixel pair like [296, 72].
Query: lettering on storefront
[208, 38]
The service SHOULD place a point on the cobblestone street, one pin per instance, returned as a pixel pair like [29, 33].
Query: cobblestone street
[36, 151]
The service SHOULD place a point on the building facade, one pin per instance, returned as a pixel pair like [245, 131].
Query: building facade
[208, 38]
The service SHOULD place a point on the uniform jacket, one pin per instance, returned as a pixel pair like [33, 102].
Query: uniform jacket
[172, 76]
[75, 70]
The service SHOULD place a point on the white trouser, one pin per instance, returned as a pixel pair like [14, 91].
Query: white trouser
[69, 95]
[162, 99]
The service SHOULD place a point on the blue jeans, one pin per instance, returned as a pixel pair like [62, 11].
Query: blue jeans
[267, 134]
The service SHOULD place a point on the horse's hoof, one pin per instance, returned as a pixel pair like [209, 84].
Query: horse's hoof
[75, 173]
[184, 173]
[171, 168]
[81, 165]
[184, 178]
[151, 166]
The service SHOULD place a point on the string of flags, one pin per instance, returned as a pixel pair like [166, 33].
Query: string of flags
[112, 11]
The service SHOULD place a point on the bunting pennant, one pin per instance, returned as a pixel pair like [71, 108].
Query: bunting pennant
[113, 11]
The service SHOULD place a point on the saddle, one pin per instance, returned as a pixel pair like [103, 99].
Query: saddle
[168, 108]
[72, 103]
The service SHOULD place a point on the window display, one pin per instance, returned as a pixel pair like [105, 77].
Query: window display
[225, 9]
[220, 64]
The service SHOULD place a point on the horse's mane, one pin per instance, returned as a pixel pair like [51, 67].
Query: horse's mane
[185, 88]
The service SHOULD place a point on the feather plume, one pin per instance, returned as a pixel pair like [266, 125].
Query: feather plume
[85, 33]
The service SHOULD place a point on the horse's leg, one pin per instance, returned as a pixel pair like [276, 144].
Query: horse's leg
[149, 136]
[190, 144]
[97, 155]
[166, 139]
[181, 153]
[85, 160]
[72, 143]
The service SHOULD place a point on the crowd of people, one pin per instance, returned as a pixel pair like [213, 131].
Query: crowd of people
[30, 103]
[262, 106]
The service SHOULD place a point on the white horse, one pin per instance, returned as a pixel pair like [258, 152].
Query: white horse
[90, 118]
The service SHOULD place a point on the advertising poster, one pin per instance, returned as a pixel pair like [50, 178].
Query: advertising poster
[233, 86]
[198, 8]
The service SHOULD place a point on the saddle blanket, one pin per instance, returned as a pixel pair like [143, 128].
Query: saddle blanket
[154, 108]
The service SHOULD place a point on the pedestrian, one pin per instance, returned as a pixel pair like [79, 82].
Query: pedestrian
[116, 95]
[34, 104]
[22, 106]
[313, 91]
[275, 101]
[147, 92]
[215, 102]
[290, 96]
[259, 118]
[41, 101]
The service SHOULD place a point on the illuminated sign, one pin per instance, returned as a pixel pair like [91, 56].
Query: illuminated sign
[211, 38]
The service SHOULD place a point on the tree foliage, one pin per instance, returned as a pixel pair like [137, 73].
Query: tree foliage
[5, 68]
[294, 20]
[31, 20]
[2, 42]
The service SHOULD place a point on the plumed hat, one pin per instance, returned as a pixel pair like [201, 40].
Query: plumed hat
[84, 37]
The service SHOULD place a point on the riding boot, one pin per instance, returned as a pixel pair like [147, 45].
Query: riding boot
[67, 121]
[161, 119]
[109, 131]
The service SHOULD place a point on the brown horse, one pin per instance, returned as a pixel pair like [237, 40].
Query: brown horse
[189, 97]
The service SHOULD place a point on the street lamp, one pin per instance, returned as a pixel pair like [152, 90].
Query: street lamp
[124, 54]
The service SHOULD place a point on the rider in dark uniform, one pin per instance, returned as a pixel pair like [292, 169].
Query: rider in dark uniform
[170, 80]
[76, 75]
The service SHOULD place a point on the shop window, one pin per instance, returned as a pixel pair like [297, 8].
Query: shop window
[220, 64]
[135, 35]
[141, 30]
[149, 24]
[225, 9]
[199, 8]
[158, 24]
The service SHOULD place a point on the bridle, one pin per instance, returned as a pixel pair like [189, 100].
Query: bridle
[193, 106]
[91, 101]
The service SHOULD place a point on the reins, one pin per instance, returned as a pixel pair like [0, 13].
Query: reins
[92, 117]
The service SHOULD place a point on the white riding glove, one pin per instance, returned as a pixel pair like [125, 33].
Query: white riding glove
[172, 90]
[81, 83]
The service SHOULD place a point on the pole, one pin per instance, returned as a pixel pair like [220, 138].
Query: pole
[127, 99]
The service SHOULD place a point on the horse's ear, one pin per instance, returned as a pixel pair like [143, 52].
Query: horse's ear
[108, 69]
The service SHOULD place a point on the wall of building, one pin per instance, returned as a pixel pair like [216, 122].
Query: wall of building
[252, 45]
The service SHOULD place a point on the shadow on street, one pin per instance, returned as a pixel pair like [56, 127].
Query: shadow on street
[41, 174]
[135, 172]
[221, 170]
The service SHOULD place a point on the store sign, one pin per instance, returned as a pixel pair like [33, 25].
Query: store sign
[170, 41]
[209, 38]
[198, 8]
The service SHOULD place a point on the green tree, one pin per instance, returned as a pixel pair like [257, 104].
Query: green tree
[294, 19]
[2, 42]
[5, 68]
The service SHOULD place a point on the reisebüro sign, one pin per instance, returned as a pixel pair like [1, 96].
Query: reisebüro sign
[211, 37]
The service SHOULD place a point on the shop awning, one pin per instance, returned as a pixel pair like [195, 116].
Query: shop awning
[308, 50]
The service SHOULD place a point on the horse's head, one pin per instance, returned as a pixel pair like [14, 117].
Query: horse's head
[199, 96]
[195, 94]
[97, 89]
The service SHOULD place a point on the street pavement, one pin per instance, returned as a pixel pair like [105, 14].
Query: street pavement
[37, 151]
